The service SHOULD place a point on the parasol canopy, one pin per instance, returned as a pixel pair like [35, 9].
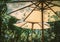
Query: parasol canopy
[34, 14]
[31, 13]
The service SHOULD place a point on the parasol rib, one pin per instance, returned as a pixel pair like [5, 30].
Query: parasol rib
[30, 13]
[46, 6]
[39, 24]
[49, 6]
[20, 9]
[53, 4]
[51, 9]
[36, 5]
[47, 25]
[23, 24]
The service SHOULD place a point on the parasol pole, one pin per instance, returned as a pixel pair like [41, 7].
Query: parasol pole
[42, 9]
[32, 31]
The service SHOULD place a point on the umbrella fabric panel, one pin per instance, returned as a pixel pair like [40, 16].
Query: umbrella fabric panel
[35, 26]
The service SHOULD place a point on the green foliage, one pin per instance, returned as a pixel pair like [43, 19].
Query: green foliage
[11, 33]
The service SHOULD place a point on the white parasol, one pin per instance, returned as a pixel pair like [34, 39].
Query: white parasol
[34, 14]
